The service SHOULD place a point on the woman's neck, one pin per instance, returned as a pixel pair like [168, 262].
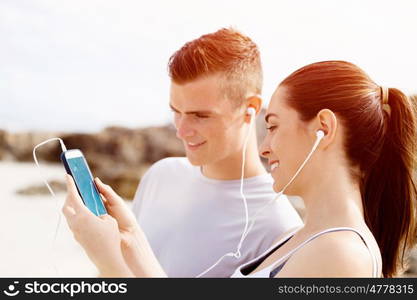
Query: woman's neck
[334, 200]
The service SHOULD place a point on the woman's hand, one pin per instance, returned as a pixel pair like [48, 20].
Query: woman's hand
[117, 208]
[99, 236]
[135, 247]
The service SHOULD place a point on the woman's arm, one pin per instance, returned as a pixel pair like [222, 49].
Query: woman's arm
[135, 247]
[113, 242]
[99, 236]
[139, 255]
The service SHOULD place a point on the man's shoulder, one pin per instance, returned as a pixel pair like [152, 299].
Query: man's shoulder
[279, 217]
[171, 164]
[164, 173]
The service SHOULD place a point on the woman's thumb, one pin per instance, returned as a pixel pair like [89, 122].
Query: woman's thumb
[107, 191]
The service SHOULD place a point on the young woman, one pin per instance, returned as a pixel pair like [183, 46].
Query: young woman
[358, 186]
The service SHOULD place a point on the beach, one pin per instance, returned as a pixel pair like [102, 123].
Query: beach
[28, 224]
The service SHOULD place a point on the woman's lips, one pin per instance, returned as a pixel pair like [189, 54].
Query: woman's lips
[274, 165]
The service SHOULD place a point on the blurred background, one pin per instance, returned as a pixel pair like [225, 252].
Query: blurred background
[95, 73]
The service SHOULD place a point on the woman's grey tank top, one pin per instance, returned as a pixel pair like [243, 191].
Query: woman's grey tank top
[273, 269]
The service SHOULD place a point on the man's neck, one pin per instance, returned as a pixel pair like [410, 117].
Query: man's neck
[230, 168]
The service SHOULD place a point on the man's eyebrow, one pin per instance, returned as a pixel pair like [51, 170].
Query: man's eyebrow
[270, 115]
[173, 108]
[205, 112]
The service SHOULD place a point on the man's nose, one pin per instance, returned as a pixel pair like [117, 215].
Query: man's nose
[184, 129]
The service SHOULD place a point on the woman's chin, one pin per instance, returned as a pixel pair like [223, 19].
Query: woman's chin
[277, 187]
[289, 191]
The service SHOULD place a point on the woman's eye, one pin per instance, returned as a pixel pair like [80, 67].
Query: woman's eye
[271, 128]
[202, 116]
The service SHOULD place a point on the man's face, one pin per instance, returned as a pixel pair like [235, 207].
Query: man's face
[210, 126]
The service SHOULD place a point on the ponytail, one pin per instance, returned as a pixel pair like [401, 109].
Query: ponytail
[389, 187]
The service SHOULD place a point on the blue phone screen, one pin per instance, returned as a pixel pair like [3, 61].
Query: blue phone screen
[86, 186]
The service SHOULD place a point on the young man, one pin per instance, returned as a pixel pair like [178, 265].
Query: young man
[191, 209]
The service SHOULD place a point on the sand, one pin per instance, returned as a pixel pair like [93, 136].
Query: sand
[28, 225]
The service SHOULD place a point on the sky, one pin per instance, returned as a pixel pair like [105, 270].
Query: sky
[81, 65]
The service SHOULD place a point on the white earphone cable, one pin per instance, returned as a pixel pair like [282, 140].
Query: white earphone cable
[237, 254]
[318, 139]
[63, 148]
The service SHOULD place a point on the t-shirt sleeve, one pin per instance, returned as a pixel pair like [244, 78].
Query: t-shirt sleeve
[140, 196]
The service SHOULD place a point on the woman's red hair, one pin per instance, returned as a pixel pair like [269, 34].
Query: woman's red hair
[380, 143]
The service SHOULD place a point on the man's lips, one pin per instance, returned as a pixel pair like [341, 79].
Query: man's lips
[192, 146]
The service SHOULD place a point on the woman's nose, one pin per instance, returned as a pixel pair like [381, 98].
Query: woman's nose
[264, 150]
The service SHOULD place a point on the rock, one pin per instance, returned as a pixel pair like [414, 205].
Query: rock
[161, 142]
[19, 146]
[119, 156]
[123, 180]
[2, 144]
[57, 186]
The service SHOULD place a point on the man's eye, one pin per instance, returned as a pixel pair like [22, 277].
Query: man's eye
[202, 116]
[271, 128]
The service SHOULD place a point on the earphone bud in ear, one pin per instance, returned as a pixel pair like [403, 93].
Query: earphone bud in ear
[251, 111]
[320, 134]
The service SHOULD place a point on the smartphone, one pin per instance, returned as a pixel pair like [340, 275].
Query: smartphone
[76, 165]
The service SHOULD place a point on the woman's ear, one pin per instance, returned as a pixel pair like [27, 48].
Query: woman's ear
[327, 122]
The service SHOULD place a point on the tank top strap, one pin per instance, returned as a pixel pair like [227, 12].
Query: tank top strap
[285, 258]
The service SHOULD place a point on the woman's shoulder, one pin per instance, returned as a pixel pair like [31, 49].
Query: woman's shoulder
[333, 254]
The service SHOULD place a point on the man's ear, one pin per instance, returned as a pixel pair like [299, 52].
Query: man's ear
[254, 102]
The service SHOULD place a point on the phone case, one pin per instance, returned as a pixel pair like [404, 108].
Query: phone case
[68, 170]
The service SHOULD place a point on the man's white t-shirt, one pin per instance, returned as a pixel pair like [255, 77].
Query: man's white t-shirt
[191, 220]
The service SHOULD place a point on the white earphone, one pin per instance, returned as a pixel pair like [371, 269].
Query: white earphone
[319, 134]
[251, 111]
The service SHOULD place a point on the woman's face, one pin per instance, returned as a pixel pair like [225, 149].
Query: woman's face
[287, 144]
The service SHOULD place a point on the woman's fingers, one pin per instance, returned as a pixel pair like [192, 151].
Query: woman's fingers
[116, 207]
[73, 198]
[68, 211]
[74, 205]
[109, 194]
[70, 215]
